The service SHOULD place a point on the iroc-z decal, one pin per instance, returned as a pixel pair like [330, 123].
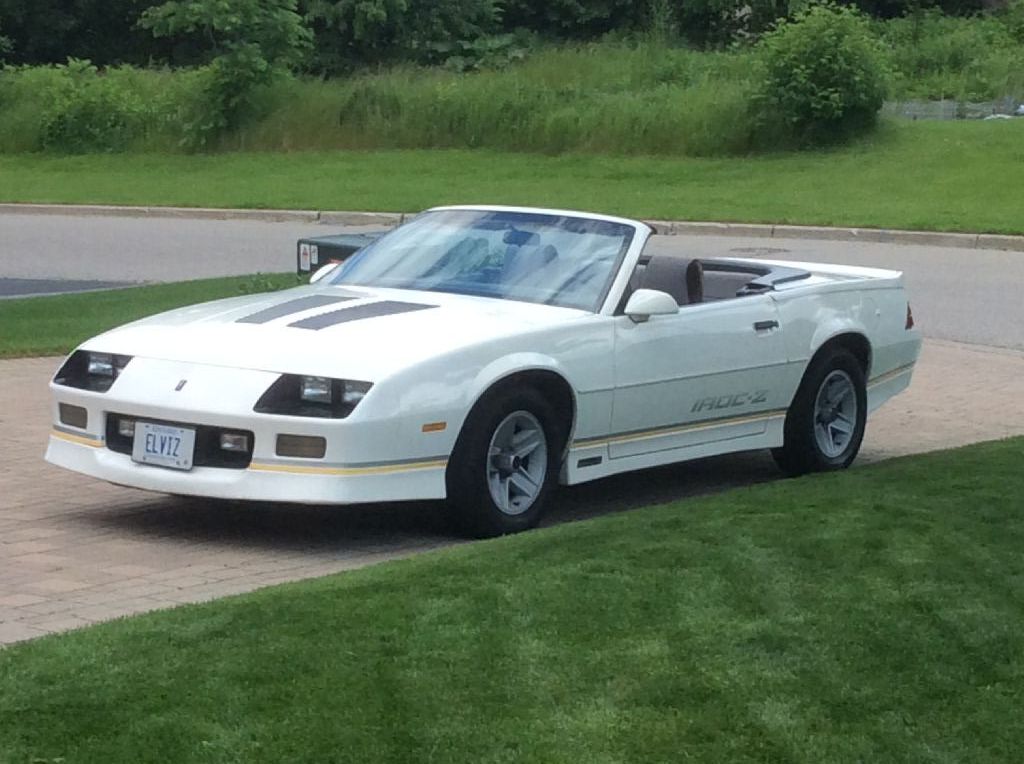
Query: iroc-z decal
[716, 403]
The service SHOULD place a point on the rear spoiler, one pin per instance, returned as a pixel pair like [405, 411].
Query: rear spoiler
[312, 253]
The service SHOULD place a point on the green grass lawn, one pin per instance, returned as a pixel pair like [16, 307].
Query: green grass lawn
[55, 325]
[949, 176]
[875, 615]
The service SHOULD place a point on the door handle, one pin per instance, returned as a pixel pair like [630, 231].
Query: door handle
[763, 326]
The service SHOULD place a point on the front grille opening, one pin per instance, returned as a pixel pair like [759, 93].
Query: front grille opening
[208, 451]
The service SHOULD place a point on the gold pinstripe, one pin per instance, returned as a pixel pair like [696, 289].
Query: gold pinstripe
[79, 439]
[382, 469]
[709, 423]
[890, 375]
[705, 424]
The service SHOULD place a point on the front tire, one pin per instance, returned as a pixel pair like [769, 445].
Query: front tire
[825, 424]
[505, 463]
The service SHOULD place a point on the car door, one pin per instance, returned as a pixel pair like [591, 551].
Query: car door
[714, 371]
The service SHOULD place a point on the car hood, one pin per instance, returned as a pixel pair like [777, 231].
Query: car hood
[357, 333]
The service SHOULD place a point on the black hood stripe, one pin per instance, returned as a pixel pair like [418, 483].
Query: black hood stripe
[359, 312]
[292, 306]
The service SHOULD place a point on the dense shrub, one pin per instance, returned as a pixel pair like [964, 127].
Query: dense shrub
[75, 107]
[93, 113]
[824, 74]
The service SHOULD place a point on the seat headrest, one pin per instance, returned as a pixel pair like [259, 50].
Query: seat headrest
[681, 278]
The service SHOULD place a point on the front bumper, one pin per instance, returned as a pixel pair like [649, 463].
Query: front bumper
[367, 458]
[273, 480]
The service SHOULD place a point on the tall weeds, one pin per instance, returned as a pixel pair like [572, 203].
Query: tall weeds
[633, 99]
[945, 57]
[646, 97]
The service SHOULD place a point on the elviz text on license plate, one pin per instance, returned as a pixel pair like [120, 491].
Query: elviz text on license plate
[163, 445]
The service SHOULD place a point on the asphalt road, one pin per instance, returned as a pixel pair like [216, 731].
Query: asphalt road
[141, 249]
[962, 295]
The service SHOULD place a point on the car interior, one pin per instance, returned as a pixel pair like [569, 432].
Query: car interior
[693, 281]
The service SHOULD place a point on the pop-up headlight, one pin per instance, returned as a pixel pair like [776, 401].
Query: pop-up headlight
[296, 395]
[88, 370]
[316, 390]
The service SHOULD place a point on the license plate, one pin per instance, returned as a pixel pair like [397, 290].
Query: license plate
[163, 445]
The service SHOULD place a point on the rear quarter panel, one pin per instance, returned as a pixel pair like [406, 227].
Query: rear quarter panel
[875, 308]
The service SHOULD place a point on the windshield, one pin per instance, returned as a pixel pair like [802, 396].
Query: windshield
[527, 256]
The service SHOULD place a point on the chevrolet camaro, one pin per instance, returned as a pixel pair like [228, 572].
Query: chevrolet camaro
[484, 355]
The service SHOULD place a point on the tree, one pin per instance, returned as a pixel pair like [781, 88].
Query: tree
[354, 32]
[244, 44]
[5, 45]
[710, 23]
[579, 19]
[51, 31]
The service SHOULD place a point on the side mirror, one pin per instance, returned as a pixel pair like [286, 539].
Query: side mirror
[650, 302]
[322, 272]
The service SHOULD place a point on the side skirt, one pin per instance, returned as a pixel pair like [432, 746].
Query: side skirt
[590, 462]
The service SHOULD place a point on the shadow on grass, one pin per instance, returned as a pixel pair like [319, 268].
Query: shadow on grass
[381, 528]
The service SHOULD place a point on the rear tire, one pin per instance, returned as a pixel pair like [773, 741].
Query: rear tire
[505, 463]
[825, 424]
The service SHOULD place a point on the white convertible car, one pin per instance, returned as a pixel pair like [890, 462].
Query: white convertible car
[484, 354]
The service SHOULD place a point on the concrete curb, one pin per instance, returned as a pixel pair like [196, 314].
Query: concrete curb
[208, 213]
[193, 213]
[361, 218]
[822, 233]
[664, 227]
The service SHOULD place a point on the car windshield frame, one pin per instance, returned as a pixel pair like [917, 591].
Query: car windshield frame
[542, 257]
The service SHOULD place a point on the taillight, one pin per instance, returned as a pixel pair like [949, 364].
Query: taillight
[910, 318]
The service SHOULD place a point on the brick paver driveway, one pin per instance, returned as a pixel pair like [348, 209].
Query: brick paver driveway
[74, 551]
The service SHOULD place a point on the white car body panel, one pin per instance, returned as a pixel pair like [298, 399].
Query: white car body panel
[672, 370]
[698, 383]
